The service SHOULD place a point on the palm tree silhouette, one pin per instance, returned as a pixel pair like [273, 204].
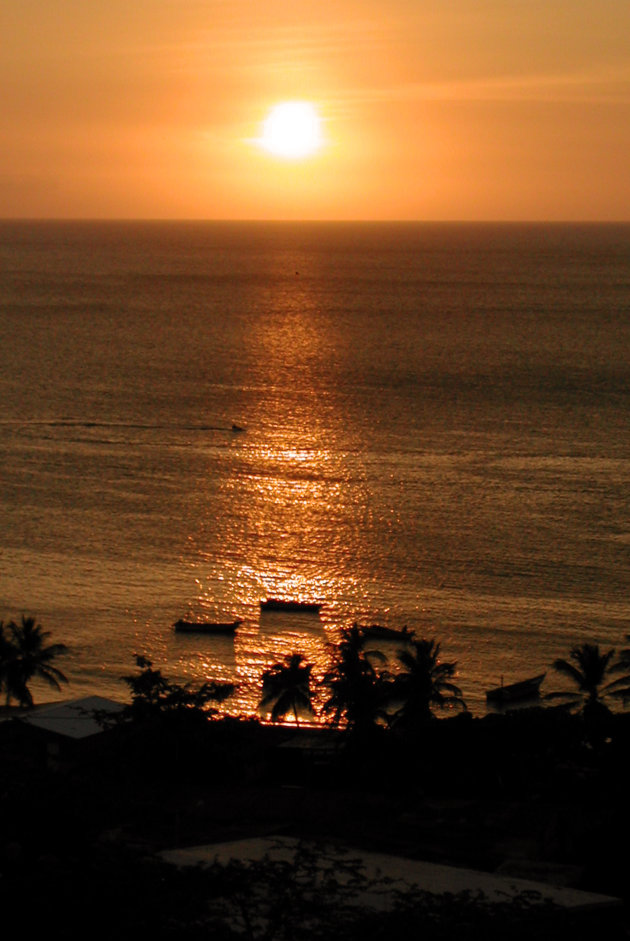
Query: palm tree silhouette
[357, 689]
[286, 688]
[425, 682]
[597, 675]
[26, 655]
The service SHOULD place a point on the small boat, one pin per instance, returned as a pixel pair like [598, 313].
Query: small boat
[513, 692]
[280, 604]
[206, 627]
[237, 428]
[385, 633]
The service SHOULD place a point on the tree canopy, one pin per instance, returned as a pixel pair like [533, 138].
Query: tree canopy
[286, 688]
[358, 690]
[598, 675]
[25, 654]
[153, 694]
[424, 683]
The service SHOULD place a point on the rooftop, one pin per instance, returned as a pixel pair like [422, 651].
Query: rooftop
[74, 718]
[429, 877]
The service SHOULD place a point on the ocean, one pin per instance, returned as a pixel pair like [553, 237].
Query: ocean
[436, 433]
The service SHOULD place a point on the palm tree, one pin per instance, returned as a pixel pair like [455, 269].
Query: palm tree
[358, 690]
[26, 655]
[597, 675]
[286, 688]
[425, 682]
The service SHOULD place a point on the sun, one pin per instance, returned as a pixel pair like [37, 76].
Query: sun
[292, 130]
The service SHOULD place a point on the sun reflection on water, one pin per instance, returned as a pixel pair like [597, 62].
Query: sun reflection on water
[274, 514]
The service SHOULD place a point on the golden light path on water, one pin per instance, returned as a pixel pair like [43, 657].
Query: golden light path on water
[289, 509]
[283, 493]
[288, 478]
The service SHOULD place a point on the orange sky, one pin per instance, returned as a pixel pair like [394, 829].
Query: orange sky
[432, 109]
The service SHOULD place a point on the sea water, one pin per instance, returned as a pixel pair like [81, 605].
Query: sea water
[436, 433]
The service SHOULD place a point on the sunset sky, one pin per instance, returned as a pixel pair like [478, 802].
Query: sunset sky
[430, 109]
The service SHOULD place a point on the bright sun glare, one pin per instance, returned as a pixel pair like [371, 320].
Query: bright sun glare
[292, 130]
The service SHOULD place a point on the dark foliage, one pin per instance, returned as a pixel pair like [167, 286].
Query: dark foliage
[424, 683]
[173, 773]
[25, 654]
[114, 893]
[153, 694]
[286, 689]
[172, 731]
[597, 675]
[358, 690]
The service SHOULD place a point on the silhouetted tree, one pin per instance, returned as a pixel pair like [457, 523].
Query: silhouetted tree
[597, 675]
[424, 683]
[358, 692]
[286, 688]
[153, 694]
[25, 655]
[168, 727]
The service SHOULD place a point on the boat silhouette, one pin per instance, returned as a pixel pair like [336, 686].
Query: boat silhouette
[206, 627]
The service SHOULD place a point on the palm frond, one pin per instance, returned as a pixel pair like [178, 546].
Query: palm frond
[286, 688]
[24, 654]
[562, 694]
[619, 683]
[567, 669]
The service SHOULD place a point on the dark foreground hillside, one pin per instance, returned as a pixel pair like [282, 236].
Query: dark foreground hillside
[519, 793]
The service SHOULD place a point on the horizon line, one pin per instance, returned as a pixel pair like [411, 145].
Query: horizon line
[312, 221]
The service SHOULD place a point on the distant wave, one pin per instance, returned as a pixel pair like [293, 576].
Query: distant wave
[127, 426]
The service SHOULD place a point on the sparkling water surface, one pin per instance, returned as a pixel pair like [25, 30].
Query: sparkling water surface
[436, 433]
